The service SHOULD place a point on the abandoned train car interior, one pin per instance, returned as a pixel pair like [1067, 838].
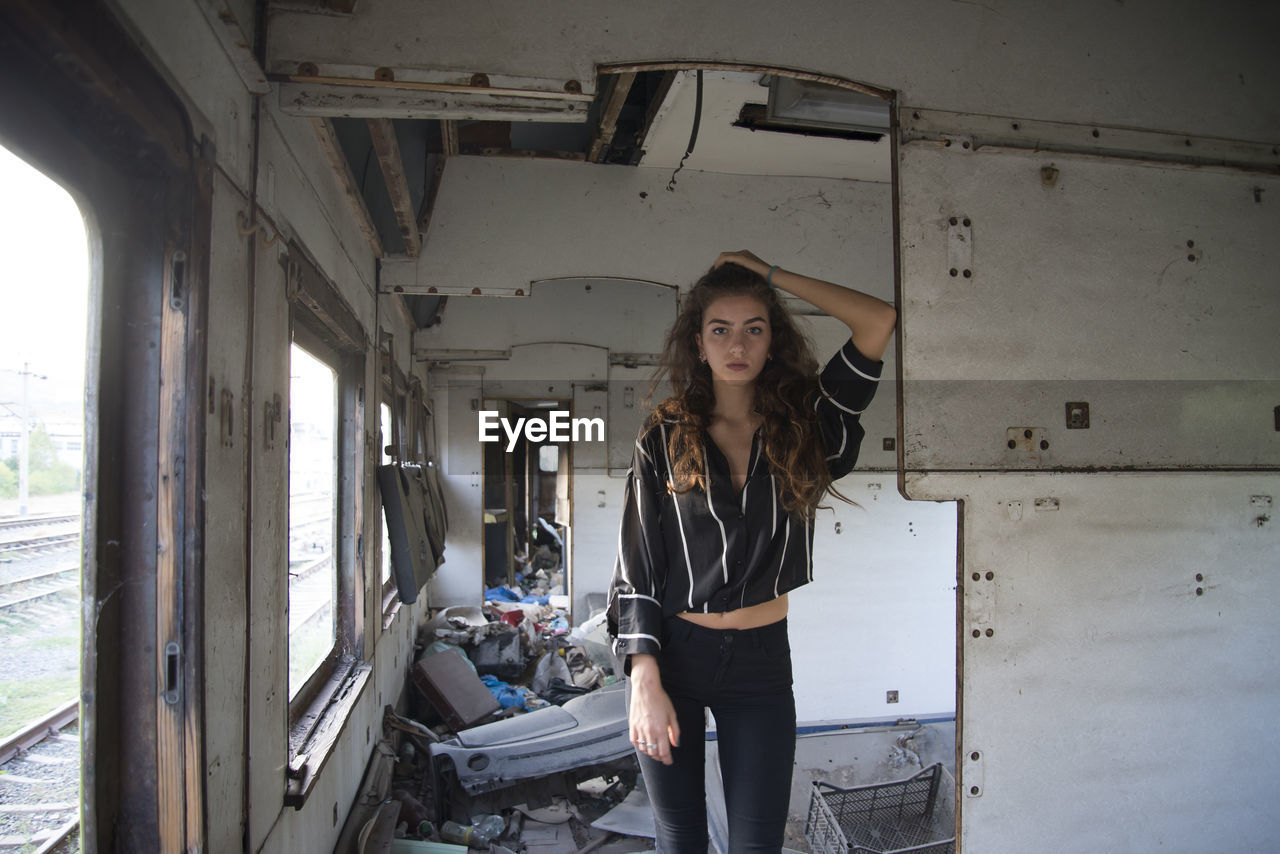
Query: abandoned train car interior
[327, 328]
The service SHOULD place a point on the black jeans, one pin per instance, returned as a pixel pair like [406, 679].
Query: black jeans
[744, 677]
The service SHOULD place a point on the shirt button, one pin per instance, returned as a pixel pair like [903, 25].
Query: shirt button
[742, 516]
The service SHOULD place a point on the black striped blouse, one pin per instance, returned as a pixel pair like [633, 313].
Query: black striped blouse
[727, 550]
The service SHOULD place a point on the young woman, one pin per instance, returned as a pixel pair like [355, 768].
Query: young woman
[717, 526]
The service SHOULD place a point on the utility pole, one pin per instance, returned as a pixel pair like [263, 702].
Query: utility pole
[24, 442]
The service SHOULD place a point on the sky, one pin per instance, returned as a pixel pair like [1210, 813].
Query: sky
[44, 278]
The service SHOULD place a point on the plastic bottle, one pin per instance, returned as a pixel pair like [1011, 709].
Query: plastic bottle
[491, 826]
[463, 834]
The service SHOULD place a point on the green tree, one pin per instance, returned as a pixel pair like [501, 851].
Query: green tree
[41, 454]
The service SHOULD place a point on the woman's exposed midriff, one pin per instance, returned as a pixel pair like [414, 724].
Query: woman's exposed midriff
[751, 617]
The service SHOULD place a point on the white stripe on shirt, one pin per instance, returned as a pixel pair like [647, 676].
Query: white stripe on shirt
[688, 564]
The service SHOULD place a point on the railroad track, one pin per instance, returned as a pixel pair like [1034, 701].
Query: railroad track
[41, 774]
[35, 586]
[18, 523]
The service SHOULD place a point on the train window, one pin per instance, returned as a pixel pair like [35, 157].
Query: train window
[386, 426]
[313, 454]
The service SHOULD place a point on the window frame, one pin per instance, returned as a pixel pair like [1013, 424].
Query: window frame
[321, 322]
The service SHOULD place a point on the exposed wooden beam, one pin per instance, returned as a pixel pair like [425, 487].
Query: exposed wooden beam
[338, 161]
[383, 133]
[449, 137]
[603, 136]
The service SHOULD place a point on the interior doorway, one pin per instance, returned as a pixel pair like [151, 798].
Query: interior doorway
[527, 505]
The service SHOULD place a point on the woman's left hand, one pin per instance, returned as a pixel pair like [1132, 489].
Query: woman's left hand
[742, 258]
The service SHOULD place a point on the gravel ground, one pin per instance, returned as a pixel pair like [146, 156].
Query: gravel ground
[46, 777]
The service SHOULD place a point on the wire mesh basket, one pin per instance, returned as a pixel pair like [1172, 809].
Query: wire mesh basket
[885, 818]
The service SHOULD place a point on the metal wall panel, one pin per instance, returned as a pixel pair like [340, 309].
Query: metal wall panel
[1183, 66]
[1030, 281]
[1121, 689]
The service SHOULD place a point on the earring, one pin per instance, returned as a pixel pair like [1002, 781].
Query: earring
[702, 356]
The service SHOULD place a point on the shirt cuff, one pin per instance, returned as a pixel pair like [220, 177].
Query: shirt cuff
[639, 627]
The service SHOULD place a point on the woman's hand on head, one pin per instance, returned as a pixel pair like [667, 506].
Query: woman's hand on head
[652, 718]
[742, 258]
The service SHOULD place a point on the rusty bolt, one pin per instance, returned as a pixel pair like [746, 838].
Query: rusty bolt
[1199, 576]
[968, 274]
[974, 756]
[573, 87]
[475, 292]
[967, 223]
[1044, 444]
[1199, 591]
[519, 292]
[308, 69]
[399, 289]
[1012, 444]
[977, 634]
[990, 632]
[1026, 434]
[954, 272]
[953, 220]
[1190, 244]
[432, 290]
[977, 577]
[384, 73]
[480, 80]
[973, 790]
[990, 575]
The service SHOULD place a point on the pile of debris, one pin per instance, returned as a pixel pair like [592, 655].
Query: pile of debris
[516, 738]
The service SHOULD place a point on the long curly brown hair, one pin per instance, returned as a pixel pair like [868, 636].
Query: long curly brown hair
[785, 392]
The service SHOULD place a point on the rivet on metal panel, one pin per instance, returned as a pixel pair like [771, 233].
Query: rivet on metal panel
[480, 80]
[385, 74]
[964, 143]
[308, 69]
[990, 576]
[959, 246]
[1077, 415]
[1027, 442]
[573, 87]
[973, 773]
